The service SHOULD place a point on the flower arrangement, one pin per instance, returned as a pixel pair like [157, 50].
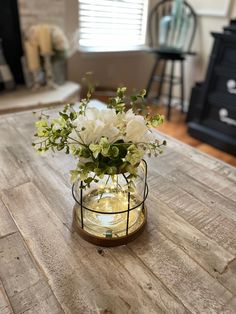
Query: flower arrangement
[105, 142]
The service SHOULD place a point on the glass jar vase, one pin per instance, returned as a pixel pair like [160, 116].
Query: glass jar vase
[112, 211]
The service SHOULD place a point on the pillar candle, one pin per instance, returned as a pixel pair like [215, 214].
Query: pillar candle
[32, 56]
[45, 42]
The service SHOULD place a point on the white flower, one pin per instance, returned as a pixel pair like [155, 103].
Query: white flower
[106, 123]
[136, 130]
[129, 115]
[96, 124]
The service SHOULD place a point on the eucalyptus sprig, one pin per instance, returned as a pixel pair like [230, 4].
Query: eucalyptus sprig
[85, 101]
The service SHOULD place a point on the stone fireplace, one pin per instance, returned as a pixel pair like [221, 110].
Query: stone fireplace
[16, 16]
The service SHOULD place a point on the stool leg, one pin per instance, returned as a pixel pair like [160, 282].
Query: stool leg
[152, 76]
[161, 79]
[170, 90]
[182, 85]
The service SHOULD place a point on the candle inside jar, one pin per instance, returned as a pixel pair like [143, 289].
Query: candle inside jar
[32, 56]
[45, 41]
[105, 220]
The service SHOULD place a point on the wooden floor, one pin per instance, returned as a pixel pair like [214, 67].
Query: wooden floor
[177, 128]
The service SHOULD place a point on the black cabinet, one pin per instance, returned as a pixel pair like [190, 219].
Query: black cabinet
[212, 111]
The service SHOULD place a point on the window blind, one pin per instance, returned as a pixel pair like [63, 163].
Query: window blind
[112, 24]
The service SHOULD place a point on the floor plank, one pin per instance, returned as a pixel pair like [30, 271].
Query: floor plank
[198, 291]
[204, 193]
[5, 306]
[166, 270]
[73, 272]
[7, 225]
[205, 251]
[26, 288]
[211, 221]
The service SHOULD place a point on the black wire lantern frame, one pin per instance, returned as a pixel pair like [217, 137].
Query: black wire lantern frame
[110, 241]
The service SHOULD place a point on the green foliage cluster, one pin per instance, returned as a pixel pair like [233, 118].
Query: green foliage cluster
[101, 158]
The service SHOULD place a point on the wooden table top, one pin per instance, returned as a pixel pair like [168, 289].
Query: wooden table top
[184, 262]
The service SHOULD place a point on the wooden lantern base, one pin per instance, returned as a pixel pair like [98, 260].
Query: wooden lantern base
[109, 242]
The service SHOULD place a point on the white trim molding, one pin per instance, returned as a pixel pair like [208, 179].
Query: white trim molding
[215, 8]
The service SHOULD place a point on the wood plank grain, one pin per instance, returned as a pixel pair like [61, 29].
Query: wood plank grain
[203, 250]
[5, 306]
[198, 291]
[7, 225]
[59, 199]
[7, 136]
[166, 272]
[216, 181]
[228, 277]
[37, 299]
[226, 171]
[11, 173]
[199, 171]
[81, 281]
[45, 172]
[26, 288]
[192, 153]
[204, 193]
[156, 290]
[210, 221]
[58, 195]
[61, 202]
[24, 154]
[164, 164]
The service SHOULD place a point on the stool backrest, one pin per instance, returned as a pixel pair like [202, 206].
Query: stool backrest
[172, 25]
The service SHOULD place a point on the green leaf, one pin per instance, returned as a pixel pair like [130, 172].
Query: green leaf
[104, 146]
[64, 116]
[121, 91]
[96, 149]
[84, 152]
[156, 120]
[111, 170]
[133, 98]
[83, 176]
[74, 175]
[114, 151]
[142, 93]
[41, 123]
[60, 146]
[73, 115]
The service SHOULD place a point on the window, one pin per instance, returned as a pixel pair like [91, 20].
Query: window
[112, 25]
